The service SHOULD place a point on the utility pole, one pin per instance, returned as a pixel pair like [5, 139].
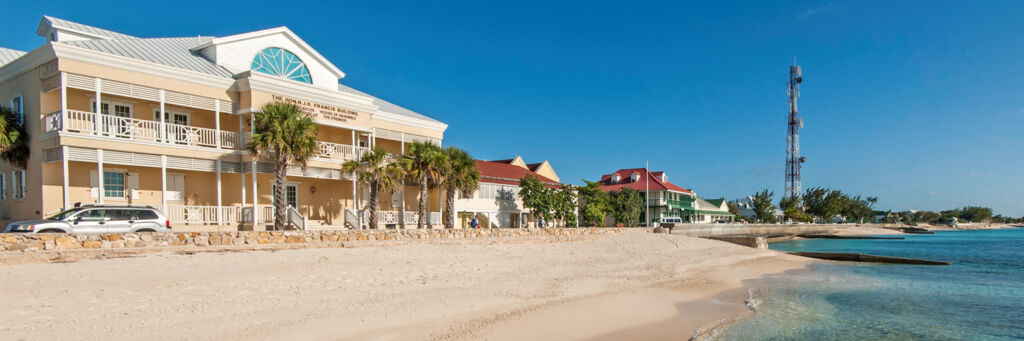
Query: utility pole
[793, 158]
[647, 193]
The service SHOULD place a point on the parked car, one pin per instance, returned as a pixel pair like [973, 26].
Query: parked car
[97, 219]
[723, 221]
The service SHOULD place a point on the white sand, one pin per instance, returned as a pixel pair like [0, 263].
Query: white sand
[629, 286]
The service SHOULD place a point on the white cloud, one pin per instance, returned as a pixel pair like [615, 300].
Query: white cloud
[815, 11]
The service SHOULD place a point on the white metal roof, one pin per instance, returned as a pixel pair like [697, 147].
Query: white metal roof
[8, 55]
[174, 52]
[73, 26]
[387, 106]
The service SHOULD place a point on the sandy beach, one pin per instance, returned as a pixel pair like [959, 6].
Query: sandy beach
[634, 285]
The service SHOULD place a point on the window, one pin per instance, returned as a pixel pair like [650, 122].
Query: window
[120, 215]
[282, 63]
[18, 177]
[92, 215]
[19, 109]
[145, 214]
[291, 194]
[113, 184]
[3, 186]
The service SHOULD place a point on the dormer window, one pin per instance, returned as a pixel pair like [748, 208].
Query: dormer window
[664, 177]
[635, 177]
[279, 62]
[616, 178]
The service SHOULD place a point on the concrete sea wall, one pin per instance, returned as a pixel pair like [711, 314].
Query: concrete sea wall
[706, 230]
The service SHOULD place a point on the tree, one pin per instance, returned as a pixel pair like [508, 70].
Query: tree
[814, 201]
[426, 161]
[790, 206]
[460, 174]
[627, 206]
[564, 203]
[928, 217]
[381, 172]
[594, 203]
[13, 138]
[287, 135]
[763, 207]
[534, 196]
[975, 213]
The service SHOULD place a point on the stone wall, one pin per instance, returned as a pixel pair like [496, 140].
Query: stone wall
[46, 241]
[705, 230]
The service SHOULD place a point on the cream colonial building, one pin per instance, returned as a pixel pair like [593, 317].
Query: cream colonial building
[191, 163]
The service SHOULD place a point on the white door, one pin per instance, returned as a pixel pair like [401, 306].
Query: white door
[175, 187]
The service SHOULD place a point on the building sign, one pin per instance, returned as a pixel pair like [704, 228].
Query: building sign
[320, 111]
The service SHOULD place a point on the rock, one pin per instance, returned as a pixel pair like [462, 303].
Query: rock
[105, 244]
[67, 243]
[117, 244]
[49, 245]
[16, 246]
[91, 244]
[201, 240]
[295, 240]
[661, 230]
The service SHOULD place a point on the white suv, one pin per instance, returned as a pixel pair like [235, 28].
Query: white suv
[97, 219]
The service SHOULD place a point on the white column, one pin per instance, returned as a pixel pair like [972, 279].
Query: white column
[220, 221]
[163, 181]
[355, 205]
[99, 108]
[489, 223]
[163, 119]
[99, 174]
[241, 128]
[402, 149]
[64, 165]
[373, 138]
[216, 121]
[64, 114]
[255, 192]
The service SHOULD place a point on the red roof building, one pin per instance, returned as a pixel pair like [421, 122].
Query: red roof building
[668, 202]
[496, 202]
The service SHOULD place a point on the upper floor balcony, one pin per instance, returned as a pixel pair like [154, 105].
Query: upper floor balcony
[133, 130]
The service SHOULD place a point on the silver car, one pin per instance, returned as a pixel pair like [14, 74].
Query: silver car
[97, 219]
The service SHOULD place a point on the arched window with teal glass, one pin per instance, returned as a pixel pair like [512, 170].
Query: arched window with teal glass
[280, 62]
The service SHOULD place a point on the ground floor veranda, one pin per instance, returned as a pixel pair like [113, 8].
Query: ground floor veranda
[198, 194]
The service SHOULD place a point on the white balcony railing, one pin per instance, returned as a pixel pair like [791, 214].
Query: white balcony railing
[340, 152]
[123, 128]
[391, 217]
[197, 215]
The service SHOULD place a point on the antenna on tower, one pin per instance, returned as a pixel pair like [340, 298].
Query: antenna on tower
[793, 158]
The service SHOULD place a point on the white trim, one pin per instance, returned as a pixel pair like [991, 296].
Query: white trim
[296, 184]
[130, 64]
[3, 187]
[410, 121]
[285, 87]
[188, 116]
[26, 63]
[149, 143]
[277, 30]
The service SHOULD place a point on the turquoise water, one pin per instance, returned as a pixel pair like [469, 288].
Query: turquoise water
[979, 297]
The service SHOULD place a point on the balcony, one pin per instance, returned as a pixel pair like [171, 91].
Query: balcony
[117, 128]
[136, 130]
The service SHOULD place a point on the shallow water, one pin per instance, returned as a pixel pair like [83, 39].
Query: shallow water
[979, 297]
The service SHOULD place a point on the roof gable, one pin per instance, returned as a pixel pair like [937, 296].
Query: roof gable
[641, 184]
[505, 173]
[236, 53]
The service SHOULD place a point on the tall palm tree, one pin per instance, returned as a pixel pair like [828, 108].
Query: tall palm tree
[287, 135]
[460, 174]
[13, 138]
[426, 161]
[381, 171]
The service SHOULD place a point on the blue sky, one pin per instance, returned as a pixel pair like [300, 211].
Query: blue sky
[919, 103]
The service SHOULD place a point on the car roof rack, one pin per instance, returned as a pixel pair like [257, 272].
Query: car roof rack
[115, 205]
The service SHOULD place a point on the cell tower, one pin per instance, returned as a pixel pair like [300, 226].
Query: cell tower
[793, 158]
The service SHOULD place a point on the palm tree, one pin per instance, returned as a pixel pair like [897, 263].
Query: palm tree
[460, 175]
[381, 171]
[286, 134]
[426, 161]
[13, 138]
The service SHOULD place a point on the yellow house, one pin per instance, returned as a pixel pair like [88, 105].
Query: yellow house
[173, 119]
